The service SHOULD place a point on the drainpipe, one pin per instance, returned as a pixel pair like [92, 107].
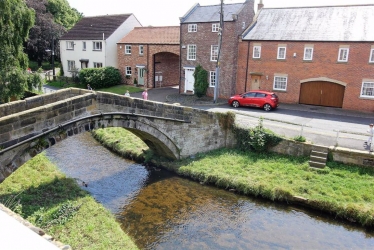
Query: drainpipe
[180, 57]
[148, 65]
[154, 71]
[246, 70]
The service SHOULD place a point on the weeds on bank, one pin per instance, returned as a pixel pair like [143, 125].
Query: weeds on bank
[41, 194]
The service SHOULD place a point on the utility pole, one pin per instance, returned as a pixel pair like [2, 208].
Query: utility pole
[220, 34]
[53, 58]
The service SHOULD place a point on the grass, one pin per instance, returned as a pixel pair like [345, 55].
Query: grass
[342, 190]
[118, 89]
[41, 194]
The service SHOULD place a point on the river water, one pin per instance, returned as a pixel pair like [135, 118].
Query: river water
[162, 211]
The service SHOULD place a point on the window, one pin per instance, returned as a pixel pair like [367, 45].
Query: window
[214, 53]
[256, 51]
[308, 53]
[371, 59]
[192, 28]
[98, 65]
[84, 45]
[141, 50]
[280, 83]
[97, 46]
[215, 27]
[128, 71]
[212, 78]
[71, 65]
[128, 49]
[343, 55]
[191, 52]
[367, 89]
[70, 45]
[281, 53]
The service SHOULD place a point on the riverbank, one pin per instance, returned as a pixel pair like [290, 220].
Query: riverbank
[341, 190]
[44, 196]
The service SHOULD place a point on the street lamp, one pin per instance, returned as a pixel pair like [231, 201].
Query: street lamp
[52, 50]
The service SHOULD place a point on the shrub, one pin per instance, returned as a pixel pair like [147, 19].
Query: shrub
[300, 138]
[100, 77]
[201, 81]
[258, 138]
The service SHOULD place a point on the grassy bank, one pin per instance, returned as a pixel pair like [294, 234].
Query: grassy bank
[41, 194]
[344, 191]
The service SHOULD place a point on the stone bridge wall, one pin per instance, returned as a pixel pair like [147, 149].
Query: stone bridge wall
[169, 130]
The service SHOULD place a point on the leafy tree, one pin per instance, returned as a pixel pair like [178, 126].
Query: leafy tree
[201, 81]
[15, 22]
[63, 14]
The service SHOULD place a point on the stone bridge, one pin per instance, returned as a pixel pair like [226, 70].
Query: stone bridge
[28, 127]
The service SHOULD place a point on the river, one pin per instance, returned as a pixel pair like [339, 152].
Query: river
[160, 210]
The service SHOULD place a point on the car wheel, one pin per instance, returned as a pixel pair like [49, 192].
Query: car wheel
[267, 107]
[235, 104]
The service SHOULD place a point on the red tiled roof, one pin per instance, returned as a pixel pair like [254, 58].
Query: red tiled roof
[153, 35]
[93, 28]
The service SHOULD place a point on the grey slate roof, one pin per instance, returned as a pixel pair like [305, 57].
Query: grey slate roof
[205, 14]
[92, 28]
[329, 23]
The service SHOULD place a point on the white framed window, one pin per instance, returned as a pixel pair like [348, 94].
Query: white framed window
[215, 27]
[256, 52]
[343, 55]
[141, 49]
[192, 27]
[70, 45]
[212, 78]
[98, 65]
[128, 71]
[371, 59]
[308, 53]
[97, 46]
[128, 49]
[281, 53]
[367, 89]
[84, 45]
[280, 83]
[71, 65]
[191, 52]
[214, 53]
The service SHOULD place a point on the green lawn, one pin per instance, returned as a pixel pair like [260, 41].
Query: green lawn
[345, 191]
[40, 193]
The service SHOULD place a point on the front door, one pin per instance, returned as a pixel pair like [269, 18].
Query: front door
[189, 80]
[141, 76]
[255, 82]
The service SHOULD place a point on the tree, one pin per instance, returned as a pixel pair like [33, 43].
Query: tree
[15, 23]
[63, 14]
[201, 81]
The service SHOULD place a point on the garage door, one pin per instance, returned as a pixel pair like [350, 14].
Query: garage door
[322, 94]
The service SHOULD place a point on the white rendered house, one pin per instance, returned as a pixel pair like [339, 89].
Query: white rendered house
[92, 42]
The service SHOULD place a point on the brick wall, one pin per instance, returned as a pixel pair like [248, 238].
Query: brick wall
[324, 64]
[204, 38]
[166, 54]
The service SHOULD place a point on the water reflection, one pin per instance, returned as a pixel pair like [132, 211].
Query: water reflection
[162, 211]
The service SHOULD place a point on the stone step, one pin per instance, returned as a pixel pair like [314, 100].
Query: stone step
[319, 154]
[318, 159]
[320, 148]
[314, 164]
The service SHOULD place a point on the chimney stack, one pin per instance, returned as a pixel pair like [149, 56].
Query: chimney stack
[260, 5]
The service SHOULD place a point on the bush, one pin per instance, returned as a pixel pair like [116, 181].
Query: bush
[300, 138]
[258, 139]
[100, 77]
[201, 81]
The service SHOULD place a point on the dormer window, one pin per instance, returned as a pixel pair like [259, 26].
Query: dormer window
[192, 27]
[70, 45]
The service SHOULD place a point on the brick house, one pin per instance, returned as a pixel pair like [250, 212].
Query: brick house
[199, 29]
[311, 55]
[91, 43]
[151, 56]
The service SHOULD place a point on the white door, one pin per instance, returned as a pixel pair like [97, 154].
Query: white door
[189, 80]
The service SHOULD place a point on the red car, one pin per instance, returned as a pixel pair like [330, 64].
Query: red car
[256, 98]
